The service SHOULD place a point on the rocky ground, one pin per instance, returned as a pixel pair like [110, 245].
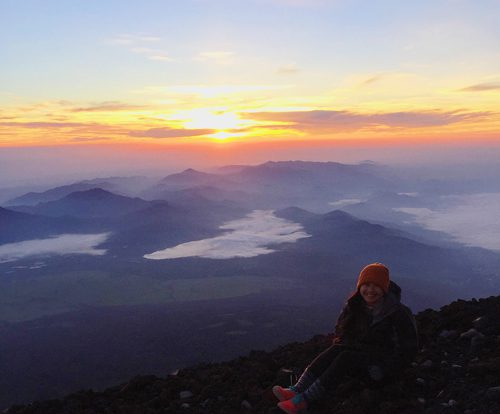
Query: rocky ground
[456, 371]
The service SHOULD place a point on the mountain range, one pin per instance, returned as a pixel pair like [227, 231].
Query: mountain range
[109, 306]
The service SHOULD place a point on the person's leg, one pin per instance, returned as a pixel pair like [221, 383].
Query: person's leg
[347, 362]
[317, 367]
[310, 374]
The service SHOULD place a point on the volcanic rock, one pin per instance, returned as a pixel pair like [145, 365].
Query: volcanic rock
[450, 374]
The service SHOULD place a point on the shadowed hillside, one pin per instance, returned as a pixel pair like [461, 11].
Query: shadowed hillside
[457, 370]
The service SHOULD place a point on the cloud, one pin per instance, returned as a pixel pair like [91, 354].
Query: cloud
[218, 57]
[372, 79]
[247, 237]
[133, 39]
[152, 54]
[346, 202]
[301, 3]
[59, 245]
[290, 69]
[480, 87]
[140, 44]
[170, 133]
[160, 57]
[349, 121]
[88, 139]
[108, 106]
[470, 219]
[45, 105]
[68, 127]
[424, 119]
[44, 124]
[207, 91]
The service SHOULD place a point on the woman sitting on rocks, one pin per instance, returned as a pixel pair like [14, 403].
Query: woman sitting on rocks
[375, 338]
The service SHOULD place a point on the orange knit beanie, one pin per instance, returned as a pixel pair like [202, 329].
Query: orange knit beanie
[375, 273]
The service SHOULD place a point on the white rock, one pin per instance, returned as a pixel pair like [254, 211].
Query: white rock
[246, 405]
[493, 393]
[184, 395]
[471, 333]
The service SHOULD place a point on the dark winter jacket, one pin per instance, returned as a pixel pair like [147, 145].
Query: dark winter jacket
[389, 337]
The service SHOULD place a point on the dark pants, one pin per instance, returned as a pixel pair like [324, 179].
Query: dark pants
[334, 364]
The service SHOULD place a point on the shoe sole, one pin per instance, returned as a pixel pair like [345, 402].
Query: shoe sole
[278, 395]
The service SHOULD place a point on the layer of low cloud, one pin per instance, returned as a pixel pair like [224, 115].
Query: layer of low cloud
[247, 237]
[470, 219]
[59, 245]
[350, 121]
[170, 133]
[346, 202]
[412, 194]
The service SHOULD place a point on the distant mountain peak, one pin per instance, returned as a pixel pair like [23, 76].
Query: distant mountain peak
[94, 193]
[339, 214]
[296, 214]
[190, 177]
[189, 173]
[193, 172]
[300, 163]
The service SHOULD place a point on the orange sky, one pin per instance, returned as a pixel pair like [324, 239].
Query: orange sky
[258, 72]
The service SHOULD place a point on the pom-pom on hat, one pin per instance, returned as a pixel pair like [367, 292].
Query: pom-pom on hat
[375, 273]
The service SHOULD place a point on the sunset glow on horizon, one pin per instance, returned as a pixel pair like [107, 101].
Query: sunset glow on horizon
[193, 72]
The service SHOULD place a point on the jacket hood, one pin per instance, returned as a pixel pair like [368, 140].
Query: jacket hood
[395, 290]
[392, 301]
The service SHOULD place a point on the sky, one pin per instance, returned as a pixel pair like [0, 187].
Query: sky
[110, 85]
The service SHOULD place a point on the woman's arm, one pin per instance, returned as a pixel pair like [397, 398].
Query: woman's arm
[339, 331]
[406, 336]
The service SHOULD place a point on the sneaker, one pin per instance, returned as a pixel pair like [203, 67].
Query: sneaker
[297, 405]
[283, 394]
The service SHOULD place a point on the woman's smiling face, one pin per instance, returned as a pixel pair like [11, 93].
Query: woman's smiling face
[371, 293]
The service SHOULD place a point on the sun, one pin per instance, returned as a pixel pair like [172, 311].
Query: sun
[204, 118]
[224, 124]
[224, 135]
